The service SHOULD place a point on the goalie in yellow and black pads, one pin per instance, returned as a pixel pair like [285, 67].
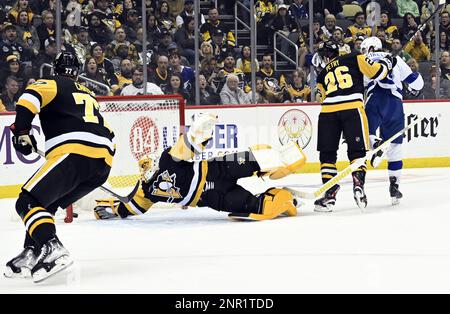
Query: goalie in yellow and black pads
[177, 179]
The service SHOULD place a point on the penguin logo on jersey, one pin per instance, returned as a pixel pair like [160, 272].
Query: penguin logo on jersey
[164, 186]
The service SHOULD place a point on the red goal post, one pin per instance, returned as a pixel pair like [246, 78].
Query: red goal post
[142, 125]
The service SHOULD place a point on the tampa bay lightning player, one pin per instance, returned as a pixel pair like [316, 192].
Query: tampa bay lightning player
[384, 109]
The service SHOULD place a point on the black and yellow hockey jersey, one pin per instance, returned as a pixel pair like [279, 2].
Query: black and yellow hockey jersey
[356, 30]
[341, 83]
[70, 118]
[178, 180]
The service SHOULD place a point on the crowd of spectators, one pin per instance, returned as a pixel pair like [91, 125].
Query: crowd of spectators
[108, 36]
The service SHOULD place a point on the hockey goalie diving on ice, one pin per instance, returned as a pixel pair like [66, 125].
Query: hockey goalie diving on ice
[175, 178]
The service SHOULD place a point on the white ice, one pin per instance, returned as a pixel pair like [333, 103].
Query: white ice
[382, 249]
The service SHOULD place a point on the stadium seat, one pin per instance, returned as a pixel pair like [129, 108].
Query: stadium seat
[349, 10]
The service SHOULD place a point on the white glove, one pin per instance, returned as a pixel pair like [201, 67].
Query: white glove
[202, 127]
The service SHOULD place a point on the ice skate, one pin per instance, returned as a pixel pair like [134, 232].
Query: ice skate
[358, 189]
[396, 195]
[326, 203]
[53, 259]
[21, 265]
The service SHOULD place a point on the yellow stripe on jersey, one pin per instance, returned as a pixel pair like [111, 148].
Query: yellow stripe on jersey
[371, 69]
[140, 199]
[201, 185]
[340, 107]
[321, 92]
[365, 124]
[42, 172]
[84, 150]
[27, 104]
[31, 212]
[47, 89]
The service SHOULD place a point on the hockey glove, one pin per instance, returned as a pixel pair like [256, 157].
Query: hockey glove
[389, 61]
[23, 141]
[413, 92]
[106, 209]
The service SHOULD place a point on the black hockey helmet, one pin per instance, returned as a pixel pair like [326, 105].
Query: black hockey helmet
[329, 49]
[66, 63]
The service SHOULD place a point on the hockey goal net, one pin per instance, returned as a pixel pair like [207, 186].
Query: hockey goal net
[143, 125]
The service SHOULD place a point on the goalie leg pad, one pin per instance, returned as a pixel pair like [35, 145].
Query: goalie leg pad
[274, 202]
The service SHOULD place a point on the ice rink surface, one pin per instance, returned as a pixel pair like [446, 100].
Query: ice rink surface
[383, 249]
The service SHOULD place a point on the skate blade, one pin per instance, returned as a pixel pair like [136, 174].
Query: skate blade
[395, 201]
[25, 273]
[359, 200]
[321, 209]
[61, 264]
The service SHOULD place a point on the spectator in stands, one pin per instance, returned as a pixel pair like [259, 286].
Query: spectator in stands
[338, 39]
[123, 8]
[10, 94]
[187, 73]
[407, 6]
[124, 76]
[120, 53]
[210, 69]
[151, 6]
[360, 28]
[297, 90]
[153, 30]
[206, 50]
[27, 82]
[274, 82]
[213, 23]
[47, 28]
[9, 45]
[444, 24]
[137, 85]
[409, 27]
[21, 5]
[265, 12]
[207, 94]
[173, 48]
[104, 65]
[103, 9]
[261, 94]
[26, 34]
[389, 6]
[381, 34]
[120, 38]
[175, 86]
[165, 40]
[397, 50]
[131, 25]
[92, 72]
[229, 67]
[417, 49]
[47, 57]
[188, 12]
[12, 68]
[329, 27]
[82, 44]
[139, 45]
[391, 30]
[285, 24]
[299, 9]
[161, 75]
[165, 18]
[445, 76]
[185, 39]
[220, 45]
[99, 31]
[244, 63]
[326, 7]
[231, 94]
[357, 44]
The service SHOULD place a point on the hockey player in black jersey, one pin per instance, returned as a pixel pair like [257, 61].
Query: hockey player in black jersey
[341, 91]
[79, 153]
[211, 183]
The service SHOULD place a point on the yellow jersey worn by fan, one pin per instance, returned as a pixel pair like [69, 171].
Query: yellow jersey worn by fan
[79, 153]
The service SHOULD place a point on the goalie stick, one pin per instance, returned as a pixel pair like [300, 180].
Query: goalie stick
[352, 167]
[123, 199]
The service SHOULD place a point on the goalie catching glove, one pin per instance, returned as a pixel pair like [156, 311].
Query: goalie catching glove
[23, 140]
[106, 209]
[202, 127]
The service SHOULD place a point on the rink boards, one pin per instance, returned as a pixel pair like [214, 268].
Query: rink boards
[426, 145]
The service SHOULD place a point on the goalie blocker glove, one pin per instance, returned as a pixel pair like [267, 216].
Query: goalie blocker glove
[23, 140]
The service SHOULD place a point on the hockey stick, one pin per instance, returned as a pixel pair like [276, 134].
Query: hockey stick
[123, 199]
[424, 24]
[352, 167]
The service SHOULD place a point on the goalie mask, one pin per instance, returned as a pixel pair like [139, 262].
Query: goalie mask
[148, 166]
